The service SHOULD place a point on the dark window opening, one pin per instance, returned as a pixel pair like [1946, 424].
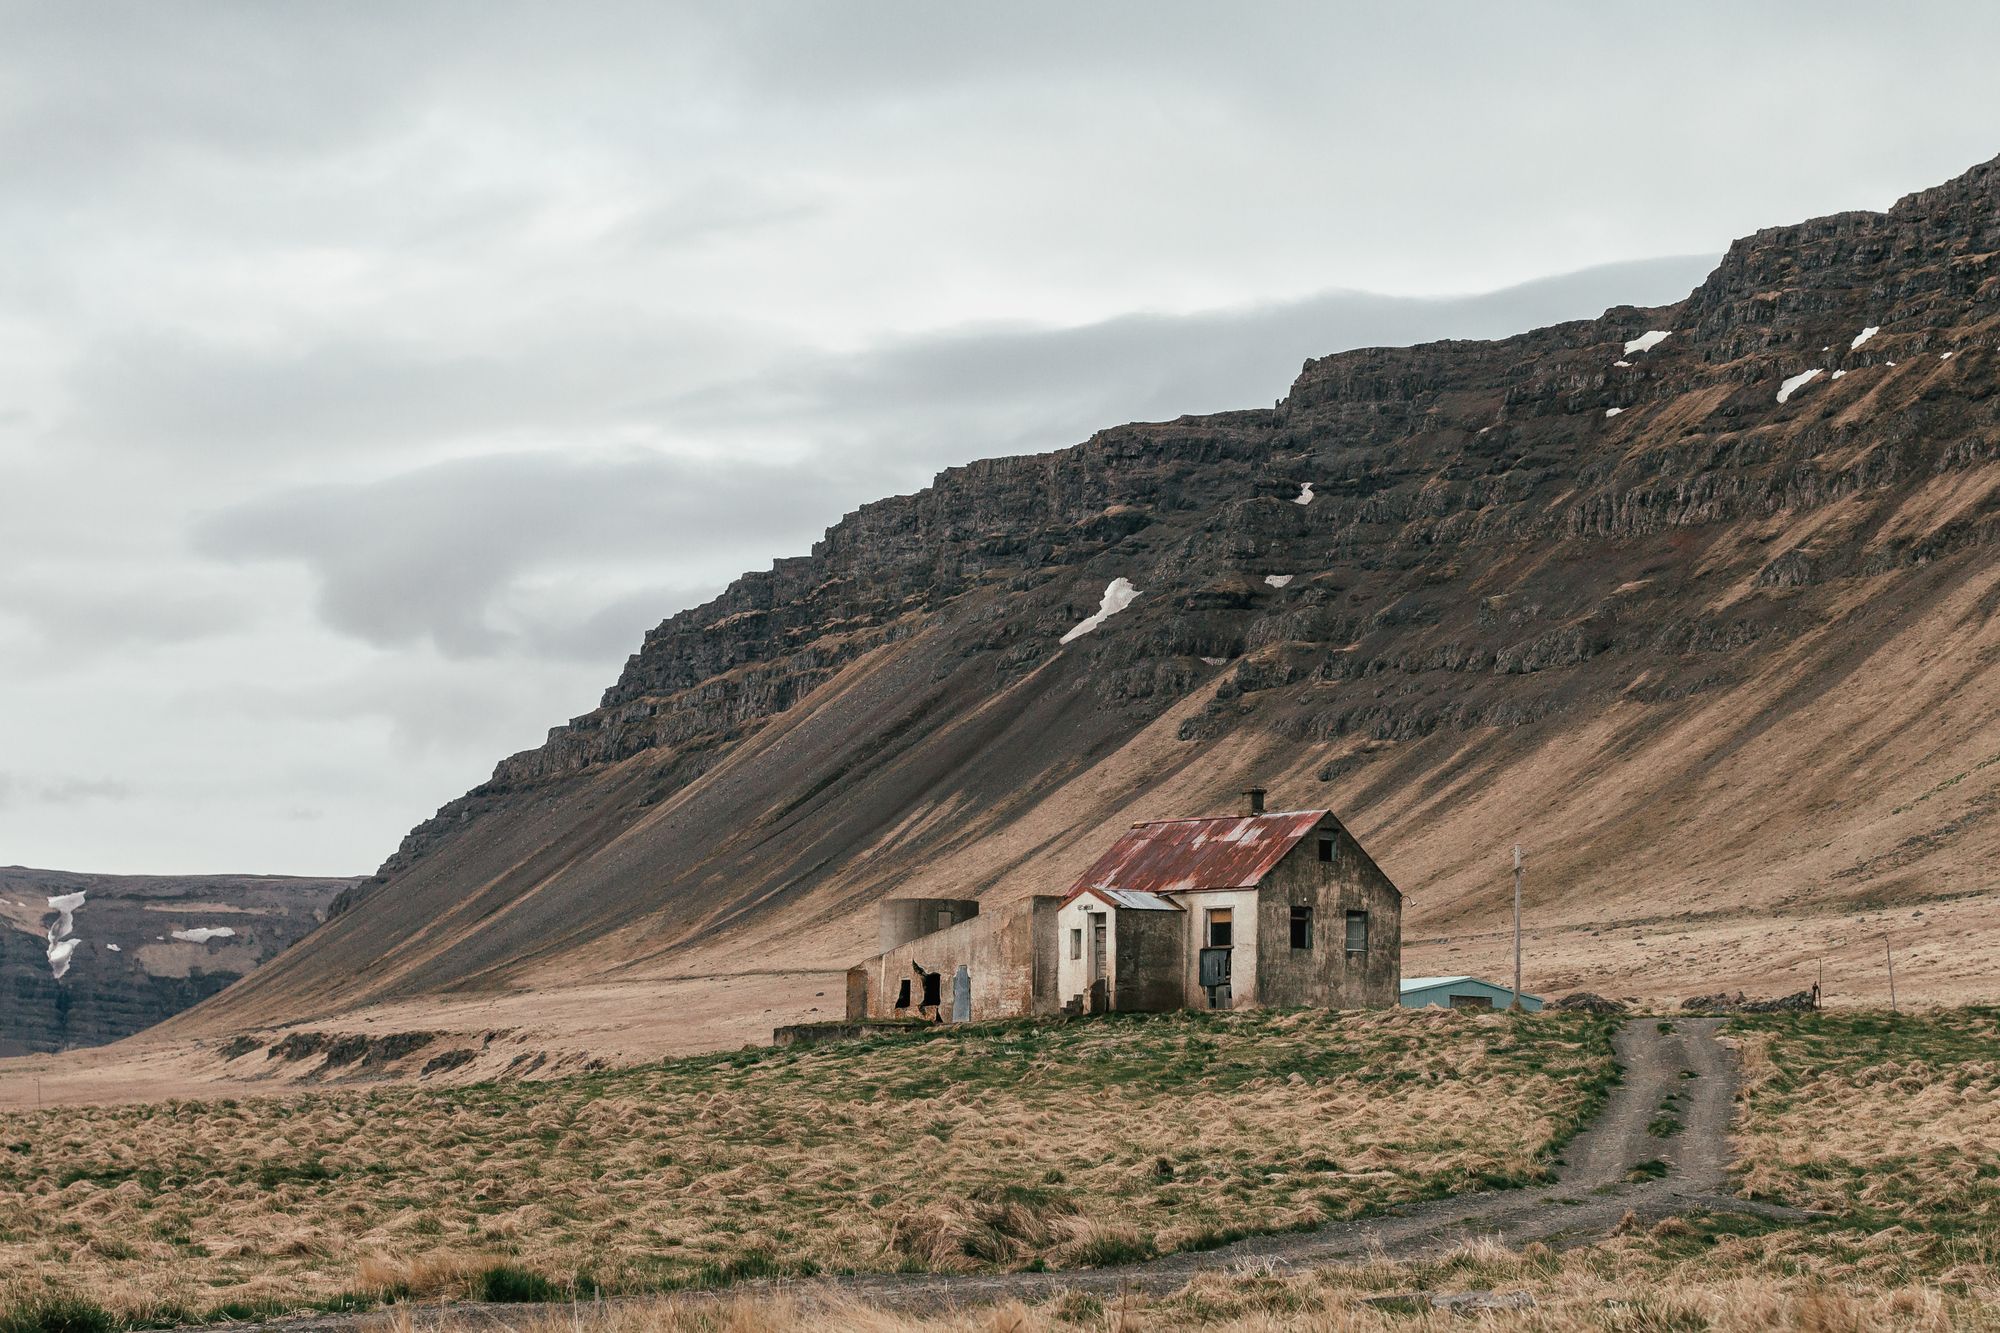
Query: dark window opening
[1357, 932]
[1302, 927]
[1326, 848]
[1221, 928]
[933, 982]
[1075, 945]
[903, 995]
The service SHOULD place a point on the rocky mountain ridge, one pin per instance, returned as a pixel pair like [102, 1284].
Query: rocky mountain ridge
[140, 947]
[1424, 564]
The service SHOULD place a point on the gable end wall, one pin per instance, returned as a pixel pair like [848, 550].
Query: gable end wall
[1325, 975]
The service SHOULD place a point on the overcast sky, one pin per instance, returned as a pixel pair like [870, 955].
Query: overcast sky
[372, 376]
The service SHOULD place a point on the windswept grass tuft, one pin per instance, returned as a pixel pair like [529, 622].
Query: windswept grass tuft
[58, 1313]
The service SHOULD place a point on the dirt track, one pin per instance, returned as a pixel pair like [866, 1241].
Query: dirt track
[1592, 1194]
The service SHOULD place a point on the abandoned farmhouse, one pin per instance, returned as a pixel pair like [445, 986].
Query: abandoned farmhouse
[1228, 912]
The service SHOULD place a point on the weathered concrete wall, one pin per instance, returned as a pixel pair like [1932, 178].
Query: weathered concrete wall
[1047, 950]
[1248, 946]
[1073, 951]
[1150, 946]
[1327, 974]
[997, 949]
[900, 920]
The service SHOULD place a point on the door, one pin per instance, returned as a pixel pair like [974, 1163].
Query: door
[1217, 956]
[1214, 968]
[1099, 932]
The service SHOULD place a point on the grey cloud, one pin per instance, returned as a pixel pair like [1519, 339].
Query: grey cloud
[974, 392]
[21, 790]
[470, 711]
[432, 554]
[85, 612]
[350, 394]
[722, 207]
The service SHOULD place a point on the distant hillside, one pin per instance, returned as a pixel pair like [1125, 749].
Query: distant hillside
[1696, 601]
[137, 947]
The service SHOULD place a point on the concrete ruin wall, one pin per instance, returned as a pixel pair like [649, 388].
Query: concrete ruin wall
[900, 920]
[1009, 954]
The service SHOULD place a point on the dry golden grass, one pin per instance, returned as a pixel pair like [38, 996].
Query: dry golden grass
[1891, 1124]
[1060, 1144]
[1635, 1284]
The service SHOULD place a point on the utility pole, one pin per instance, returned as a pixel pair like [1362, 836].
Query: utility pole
[1517, 928]
[1886, 953]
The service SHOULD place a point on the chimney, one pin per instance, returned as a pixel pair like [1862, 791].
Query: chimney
[1253, 801]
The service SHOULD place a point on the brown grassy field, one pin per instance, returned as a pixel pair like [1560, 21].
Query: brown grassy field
[1009, 1145]
[1696, 1277]
[1888, 1124]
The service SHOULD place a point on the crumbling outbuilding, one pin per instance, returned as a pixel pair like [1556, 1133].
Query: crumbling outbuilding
[1225, 912]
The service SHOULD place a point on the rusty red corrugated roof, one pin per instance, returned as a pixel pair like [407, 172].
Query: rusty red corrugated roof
[1179, 855]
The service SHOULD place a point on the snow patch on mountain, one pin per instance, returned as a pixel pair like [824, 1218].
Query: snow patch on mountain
[1118, 595]
[59, 956]
[1796, 382]
[62, 935]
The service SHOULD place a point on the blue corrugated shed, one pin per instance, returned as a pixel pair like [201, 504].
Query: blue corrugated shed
[1462, 993]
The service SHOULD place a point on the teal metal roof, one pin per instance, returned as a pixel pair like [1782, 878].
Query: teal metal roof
[1416, 987]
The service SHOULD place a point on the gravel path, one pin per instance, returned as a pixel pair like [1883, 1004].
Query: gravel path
[1592, 1194]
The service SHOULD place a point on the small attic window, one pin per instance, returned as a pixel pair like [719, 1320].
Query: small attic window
[1326, 841]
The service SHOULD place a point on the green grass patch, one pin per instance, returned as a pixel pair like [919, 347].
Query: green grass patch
[58, 1313]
